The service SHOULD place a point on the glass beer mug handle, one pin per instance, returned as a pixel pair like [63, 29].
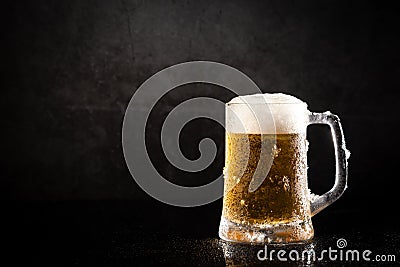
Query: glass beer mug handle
[318, 203]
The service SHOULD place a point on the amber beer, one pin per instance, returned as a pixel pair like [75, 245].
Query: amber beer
[266, 195]
[281, 197]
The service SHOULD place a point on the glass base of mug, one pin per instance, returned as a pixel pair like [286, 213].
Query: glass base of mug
[293, 232]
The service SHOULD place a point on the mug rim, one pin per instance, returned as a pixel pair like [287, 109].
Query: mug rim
[298, 103]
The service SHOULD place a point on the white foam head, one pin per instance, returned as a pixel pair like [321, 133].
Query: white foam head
[266, 113]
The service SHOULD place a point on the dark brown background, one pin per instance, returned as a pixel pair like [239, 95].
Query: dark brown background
[78, 63]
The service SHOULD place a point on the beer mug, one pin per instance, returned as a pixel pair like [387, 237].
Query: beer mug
[266, 195]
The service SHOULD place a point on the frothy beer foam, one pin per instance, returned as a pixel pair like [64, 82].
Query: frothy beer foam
[267, 114]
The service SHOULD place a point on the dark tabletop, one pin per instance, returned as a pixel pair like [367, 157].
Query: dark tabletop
[137, 233]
